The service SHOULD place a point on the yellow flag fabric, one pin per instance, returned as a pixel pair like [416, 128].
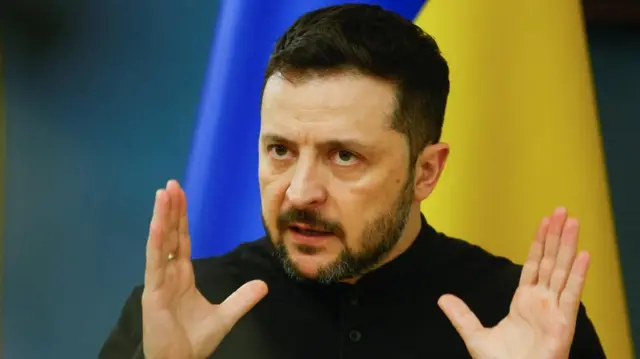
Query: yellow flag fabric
[524, 138]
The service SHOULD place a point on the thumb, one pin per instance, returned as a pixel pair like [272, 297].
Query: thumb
[239, 303]
[462, 318]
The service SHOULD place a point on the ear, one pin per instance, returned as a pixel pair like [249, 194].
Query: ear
[429, 167]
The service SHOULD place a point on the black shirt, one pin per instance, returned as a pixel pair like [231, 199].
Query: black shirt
[391, 312]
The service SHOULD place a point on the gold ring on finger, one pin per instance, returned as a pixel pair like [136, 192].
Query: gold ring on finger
[171, 257]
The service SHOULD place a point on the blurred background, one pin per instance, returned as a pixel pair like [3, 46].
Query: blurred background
[100, 101]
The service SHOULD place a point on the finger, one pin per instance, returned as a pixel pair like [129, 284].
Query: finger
[184, 240]
[529, 273]
[566, 256]
[237, 305]
[155, 258]
[572, 292]
[551, 244]
[459, 314]
[173, 190]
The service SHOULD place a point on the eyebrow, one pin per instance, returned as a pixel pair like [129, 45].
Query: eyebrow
[333, 143]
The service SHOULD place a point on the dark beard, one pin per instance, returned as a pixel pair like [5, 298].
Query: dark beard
[378, 239]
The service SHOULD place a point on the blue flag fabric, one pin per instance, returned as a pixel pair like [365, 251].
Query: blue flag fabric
[222, 176]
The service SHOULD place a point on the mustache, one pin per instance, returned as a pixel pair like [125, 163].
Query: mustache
[310, 218]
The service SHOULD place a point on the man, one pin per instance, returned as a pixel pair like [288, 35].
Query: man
[353, 105]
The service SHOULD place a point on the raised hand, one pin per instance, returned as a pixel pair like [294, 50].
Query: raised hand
[178, 322]
[543, 312]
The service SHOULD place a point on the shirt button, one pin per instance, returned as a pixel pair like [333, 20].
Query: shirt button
[353, 300]
[355, 336]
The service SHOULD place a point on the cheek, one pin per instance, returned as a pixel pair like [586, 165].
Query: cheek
[361, 204]
[272, 192]
[353, 206]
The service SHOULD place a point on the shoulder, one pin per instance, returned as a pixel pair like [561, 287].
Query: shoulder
[471, 270]
[488, 282]
[218, 276]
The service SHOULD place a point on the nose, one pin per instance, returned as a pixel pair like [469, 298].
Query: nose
[306, 188]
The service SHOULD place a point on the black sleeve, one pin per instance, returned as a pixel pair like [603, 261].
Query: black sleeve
[586, 344]
[125, 339]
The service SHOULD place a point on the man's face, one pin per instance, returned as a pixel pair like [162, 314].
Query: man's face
[334, 177]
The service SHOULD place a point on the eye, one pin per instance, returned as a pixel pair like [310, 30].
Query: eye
[345, 158]
[279, 152]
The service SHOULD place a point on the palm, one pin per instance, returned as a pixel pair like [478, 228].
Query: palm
[178, 322]
[543, 311]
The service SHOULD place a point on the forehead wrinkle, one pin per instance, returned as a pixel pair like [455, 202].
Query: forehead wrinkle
[297, 121]
[337, 108]
[359, 94]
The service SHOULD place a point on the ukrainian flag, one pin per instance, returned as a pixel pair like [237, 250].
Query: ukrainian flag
[521, 121]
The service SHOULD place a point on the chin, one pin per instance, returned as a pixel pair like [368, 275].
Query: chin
[308, 261]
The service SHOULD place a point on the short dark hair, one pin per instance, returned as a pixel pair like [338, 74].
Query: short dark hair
[376, 42]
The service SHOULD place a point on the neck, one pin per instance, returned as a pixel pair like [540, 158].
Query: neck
[411, 231]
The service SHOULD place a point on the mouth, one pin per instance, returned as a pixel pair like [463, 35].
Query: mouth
[309, 231]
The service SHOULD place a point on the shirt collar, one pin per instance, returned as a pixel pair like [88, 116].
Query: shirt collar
[410, 264]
